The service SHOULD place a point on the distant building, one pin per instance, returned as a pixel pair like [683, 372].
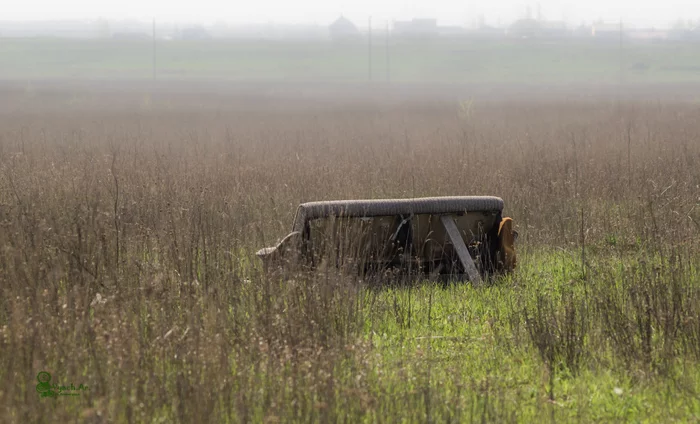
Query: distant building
[554, 29]
[533, 28]
[525, 28]
[416, 28]
[486, 31]
[451, 31]
[59, 28]
[582, 31]
[648, 35]
[342, 29]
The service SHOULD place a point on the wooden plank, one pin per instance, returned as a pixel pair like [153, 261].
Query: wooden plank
[456, 239]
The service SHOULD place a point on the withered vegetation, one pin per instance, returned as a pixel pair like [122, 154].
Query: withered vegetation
[129, 222]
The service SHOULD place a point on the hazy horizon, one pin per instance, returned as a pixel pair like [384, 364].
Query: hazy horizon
[634, 13]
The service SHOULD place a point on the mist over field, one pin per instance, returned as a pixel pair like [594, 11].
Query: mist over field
[139, 175]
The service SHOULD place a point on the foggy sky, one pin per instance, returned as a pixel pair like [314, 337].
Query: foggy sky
[658, 13]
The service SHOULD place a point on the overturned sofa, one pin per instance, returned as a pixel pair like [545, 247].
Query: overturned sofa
[463, 237]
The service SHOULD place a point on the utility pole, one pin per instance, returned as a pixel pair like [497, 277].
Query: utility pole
[388, 57]
[154, 48]
[621, 57]
[369, 50]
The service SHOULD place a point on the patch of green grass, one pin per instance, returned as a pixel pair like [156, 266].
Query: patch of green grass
[460, 348]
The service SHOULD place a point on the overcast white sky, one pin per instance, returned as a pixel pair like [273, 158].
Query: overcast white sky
[658, 13]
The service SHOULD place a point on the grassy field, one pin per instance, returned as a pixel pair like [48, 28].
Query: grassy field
[443, 60]
[127, 232]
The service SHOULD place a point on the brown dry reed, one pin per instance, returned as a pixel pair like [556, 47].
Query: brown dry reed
[128, 224]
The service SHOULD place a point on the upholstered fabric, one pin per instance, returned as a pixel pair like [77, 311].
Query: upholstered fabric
[381, 207]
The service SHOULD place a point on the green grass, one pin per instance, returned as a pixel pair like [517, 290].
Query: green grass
[445, 61]
[463, 350]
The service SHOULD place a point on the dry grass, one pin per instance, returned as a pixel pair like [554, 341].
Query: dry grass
[127, 235]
